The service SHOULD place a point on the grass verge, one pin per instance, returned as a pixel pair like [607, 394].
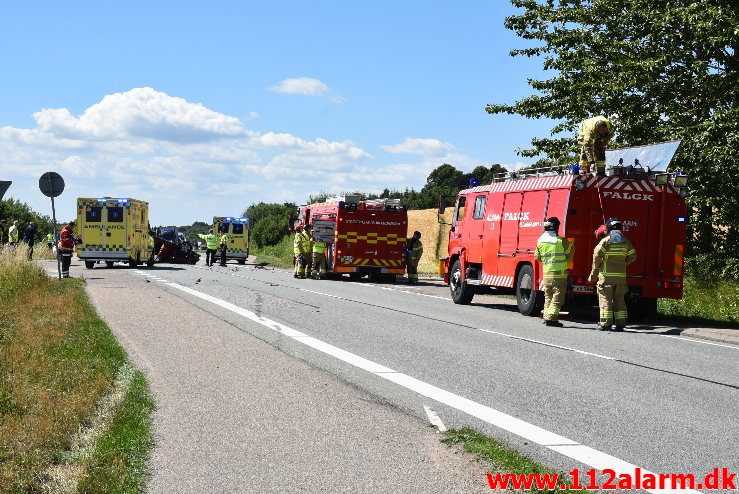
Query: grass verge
[57, 360]
[279, 255]
[503, 458]
[718, 302]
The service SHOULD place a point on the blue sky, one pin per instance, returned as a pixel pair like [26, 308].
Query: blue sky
[204, 108]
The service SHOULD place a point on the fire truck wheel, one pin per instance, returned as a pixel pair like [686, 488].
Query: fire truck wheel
[462, 293]
[530, 301]
[89, 264]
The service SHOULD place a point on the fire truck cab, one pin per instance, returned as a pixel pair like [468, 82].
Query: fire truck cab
[495, 229]
[363, 237]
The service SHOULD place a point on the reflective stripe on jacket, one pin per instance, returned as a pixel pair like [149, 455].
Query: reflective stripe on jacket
[555, 254]
[610, 258]
[211, 241]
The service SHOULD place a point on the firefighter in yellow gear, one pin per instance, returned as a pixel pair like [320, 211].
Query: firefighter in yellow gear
[211, 246]
[611, 257]
[308, 249]
[413, 253]
[299, 254]
[554, 253]
[319, 259]
[593, 137]
[225, 239]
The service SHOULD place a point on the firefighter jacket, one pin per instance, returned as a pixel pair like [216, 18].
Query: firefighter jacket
[413, 250]
[211, 241]
[610, 258]
[319, 247]
[307, 242]
[298, 243]
[66, 238]
[588, 136]
[554, 253]
[13, 234]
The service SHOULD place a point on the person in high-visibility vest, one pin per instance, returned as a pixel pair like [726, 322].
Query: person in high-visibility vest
[319, 258]
[308, 249]
[50, 240]
[554, 253]
[413, 252]
[67, 242]
[211, 246]
[298, 253]
[225, 239]
[593, 137]
[611, 257]
[13, 235]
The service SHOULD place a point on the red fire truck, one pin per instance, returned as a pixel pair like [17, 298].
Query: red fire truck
[495, 228]
[363, 237]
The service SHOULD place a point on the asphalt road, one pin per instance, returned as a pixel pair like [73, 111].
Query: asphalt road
[570, 397]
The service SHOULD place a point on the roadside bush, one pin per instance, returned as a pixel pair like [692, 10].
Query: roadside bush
[269, 231]
[708, 268]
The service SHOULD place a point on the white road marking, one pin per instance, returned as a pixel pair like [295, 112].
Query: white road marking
[434, 419]
[546, 344]
[694, 340]
[555, 442]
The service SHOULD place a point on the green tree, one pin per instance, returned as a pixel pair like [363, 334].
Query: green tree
[12, 209]
[661, 70]
[268, 222]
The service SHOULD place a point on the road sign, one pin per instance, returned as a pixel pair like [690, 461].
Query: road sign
[51, 184]
[4, 187]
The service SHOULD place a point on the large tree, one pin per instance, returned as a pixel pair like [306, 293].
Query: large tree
[662, 70]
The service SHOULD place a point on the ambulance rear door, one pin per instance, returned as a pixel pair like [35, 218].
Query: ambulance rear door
[89, 216]
[115, 226]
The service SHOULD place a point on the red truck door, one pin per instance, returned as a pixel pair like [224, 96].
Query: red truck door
[509, 225]
[531, 220]
[476, 228]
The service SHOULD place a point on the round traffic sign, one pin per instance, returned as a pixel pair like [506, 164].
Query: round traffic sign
[51, 184]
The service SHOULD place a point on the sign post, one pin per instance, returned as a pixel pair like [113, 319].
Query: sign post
[52, 185]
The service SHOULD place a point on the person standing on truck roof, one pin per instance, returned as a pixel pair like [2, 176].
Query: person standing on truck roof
[211, 245]
[319, 258]
[610, 258]
[413, 252]
[224, 248]
[308, 249]
[66, 247]
[593, 137]
[554, 253]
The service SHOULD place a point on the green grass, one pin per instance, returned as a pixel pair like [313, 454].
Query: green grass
[718, 302]
[279, 255]
[119, 460]
[57, 360]
[502, 458]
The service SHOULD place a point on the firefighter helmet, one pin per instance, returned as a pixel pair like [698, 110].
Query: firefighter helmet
[551, 224]
[613, 224]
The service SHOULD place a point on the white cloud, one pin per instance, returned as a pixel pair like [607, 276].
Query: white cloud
[302, 85]
[421, 146]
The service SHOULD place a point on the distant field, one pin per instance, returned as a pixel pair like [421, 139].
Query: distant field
[434, 236]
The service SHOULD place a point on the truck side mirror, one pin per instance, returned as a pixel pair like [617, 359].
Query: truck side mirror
[442, 205]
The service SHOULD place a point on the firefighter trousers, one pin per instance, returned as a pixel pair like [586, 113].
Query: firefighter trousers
[319, 264]
[554, 297]
[412, 269]
[66, 261]
[300, 264]
[612, 303]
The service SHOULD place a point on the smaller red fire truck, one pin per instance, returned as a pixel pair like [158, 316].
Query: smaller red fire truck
[495, 229]
[364, 237]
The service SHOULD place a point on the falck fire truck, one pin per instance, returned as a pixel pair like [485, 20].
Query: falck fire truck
[364, 237]
[495, 228]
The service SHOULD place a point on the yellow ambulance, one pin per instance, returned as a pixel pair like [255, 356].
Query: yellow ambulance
[112, 230]
[237, 230]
